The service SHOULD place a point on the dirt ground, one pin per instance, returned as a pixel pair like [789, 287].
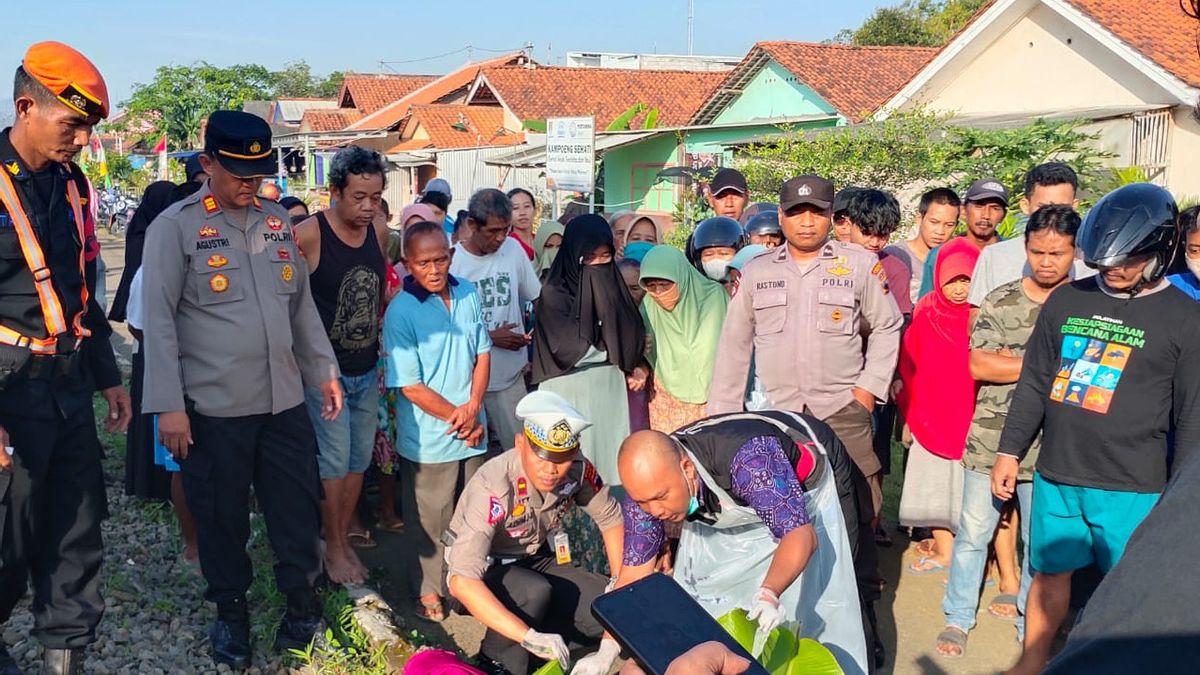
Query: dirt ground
[910, 612]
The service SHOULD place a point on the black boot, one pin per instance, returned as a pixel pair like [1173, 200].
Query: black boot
[230, 635]
[301, 623]
[8, 665]
[62, 661]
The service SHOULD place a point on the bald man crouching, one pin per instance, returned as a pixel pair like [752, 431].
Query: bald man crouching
[762, 523]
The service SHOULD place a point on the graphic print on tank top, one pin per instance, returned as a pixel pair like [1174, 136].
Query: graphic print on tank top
[356, 320]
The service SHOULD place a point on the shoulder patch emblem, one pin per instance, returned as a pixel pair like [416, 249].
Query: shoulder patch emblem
[208, 232]
[283, 253]
[288, 272]
[522, 488]
[219, 283]
[217, 261]
[275, 223]
[840, 270]
[592, 476]
[518, 511]
[210, 205]
[495, 510]
[877, 268]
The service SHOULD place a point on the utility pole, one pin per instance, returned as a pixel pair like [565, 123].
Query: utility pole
[691, 20]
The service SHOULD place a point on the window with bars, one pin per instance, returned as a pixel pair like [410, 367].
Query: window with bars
[1151, 136]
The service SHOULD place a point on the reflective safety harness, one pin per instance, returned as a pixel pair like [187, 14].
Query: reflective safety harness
[52, 310]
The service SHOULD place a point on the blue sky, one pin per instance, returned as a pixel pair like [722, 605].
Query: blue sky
[128, 39]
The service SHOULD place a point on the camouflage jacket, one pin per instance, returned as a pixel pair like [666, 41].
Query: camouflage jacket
[1005, 321]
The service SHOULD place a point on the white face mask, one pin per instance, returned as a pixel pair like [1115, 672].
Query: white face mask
[1193, 264]
[715, 269]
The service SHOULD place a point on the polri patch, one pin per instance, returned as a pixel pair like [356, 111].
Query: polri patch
[495, 510]
[275, 223]
[288, 273]
[208, 232]
[210, 205]
[219, 283]
[217, 261]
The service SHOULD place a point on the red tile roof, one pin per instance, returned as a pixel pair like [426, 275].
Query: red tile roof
[541, 92]
[484, 126]
[1158, 29]
[856, 81]
[319, 120]
[432, 92]
[371, 91]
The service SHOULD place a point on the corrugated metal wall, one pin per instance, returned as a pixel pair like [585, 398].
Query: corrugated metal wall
[466, 172]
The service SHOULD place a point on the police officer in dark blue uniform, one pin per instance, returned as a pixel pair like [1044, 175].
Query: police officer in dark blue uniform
[54, 352]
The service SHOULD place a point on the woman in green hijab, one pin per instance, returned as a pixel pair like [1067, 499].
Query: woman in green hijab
[545, 245]
[683, 312]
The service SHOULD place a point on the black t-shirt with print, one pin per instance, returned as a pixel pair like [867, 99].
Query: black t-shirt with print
[1103, 377]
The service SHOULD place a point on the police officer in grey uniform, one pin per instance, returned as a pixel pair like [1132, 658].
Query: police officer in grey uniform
[819, 320]
[232, 335]
[509, 560]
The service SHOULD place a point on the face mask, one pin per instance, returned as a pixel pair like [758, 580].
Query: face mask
[1193, 264]
[667, 299]
[715, 269]
[693, 503]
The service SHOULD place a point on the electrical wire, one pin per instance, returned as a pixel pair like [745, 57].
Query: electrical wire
[460, 50]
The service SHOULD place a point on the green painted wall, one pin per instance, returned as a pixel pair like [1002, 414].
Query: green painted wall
[629, 175]
[773, 93]
[629, 171]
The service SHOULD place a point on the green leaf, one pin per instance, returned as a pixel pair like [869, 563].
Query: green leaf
[742, 629]
[621, 122]
[812, 658]
[779, 650]
[651, 121]
[551, 668]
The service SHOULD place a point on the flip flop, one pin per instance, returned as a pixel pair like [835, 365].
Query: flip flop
[951, 637]
[1007, 600]
[395, 528]
[361, 540]
[926, 566]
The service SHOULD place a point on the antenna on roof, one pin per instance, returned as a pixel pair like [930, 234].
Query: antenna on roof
[691, 20]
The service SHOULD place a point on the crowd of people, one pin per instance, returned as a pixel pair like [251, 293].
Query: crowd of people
[725, 413]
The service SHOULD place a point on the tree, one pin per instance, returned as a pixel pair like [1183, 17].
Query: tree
[297, 80]
[180, 97]
[918, 23]
[911, 151]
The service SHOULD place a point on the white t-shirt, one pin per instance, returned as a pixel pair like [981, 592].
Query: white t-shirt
[505, 281]
[1005, 262]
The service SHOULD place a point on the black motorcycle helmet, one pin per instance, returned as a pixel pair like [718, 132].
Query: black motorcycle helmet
[1129, 222]
[766, 222]
[715, 231]
[755, 209]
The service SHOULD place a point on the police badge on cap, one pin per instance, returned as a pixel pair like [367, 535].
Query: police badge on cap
[552, 426]
[241, 142]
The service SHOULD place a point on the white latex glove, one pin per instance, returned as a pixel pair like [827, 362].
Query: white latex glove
[612, 583]
[766, 611]
[547, 646]
[600, 661]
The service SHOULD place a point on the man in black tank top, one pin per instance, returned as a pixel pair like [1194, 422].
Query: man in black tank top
[344, 251]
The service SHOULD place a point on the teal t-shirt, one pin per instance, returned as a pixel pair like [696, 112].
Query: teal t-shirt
[426, 343]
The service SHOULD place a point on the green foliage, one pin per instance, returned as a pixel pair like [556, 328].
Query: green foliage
[297, 80]
[621, 122]
[689, 209]
[345, 648]
[180, 97]
[917, 23]
[914, 151]
[783, 653]
[651, 121]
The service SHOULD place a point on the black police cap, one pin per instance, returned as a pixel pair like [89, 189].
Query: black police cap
[241, 142]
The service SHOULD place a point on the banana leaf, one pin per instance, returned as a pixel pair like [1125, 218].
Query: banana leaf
[551, 668]
[782, 653]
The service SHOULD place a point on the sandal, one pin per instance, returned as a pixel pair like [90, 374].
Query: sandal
[396, 527]
[926, 566]
[1004, 600]
[951, 637]
[361, 540]
[430, 611]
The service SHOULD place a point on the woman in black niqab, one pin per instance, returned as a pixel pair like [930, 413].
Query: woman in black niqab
[585, 305]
